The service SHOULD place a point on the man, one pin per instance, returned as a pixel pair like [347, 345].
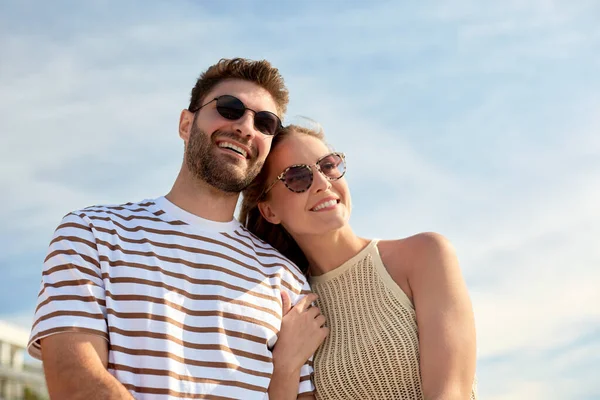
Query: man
[172, 297]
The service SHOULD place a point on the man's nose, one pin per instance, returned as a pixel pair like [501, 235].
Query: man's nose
[245, 125]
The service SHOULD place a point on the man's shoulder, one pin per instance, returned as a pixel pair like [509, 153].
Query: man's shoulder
[268, 255]
[258, 247]
[253, 240]
[123, 213]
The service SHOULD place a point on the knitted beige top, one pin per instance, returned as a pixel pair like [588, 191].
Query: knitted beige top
[372, 350]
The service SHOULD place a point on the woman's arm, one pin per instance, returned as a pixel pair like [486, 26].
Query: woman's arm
[444, 318]
[302, 332]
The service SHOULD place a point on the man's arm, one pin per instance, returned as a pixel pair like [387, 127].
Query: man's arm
[70, 333]
[445, 320]
[75, 368]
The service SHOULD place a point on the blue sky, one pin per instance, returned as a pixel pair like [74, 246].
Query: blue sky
[479, 120]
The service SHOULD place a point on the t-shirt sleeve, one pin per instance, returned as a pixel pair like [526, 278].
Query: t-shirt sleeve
[306, 372]
[72, 296]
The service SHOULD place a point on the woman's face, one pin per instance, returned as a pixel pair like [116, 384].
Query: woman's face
[324, 207]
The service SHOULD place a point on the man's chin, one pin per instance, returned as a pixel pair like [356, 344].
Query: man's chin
[232, 180]
[236, 172]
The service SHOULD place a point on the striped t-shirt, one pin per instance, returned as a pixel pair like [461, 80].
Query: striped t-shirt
[190, 306]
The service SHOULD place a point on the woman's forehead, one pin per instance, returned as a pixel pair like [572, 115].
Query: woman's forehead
[300, 149]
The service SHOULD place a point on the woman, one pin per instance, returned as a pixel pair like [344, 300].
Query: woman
[399, 316]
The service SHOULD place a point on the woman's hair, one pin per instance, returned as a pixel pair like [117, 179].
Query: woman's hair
[250, 216]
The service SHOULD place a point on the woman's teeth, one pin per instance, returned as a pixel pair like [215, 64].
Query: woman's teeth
[321, 206]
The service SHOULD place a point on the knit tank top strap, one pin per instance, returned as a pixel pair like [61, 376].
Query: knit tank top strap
[385, 276]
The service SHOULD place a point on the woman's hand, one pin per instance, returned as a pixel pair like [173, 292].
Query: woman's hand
[302, 332]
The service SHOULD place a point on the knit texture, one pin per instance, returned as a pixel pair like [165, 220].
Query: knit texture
[372, 350]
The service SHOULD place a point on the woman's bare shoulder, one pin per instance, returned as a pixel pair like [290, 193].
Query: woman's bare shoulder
[405, 257]
[416, 248]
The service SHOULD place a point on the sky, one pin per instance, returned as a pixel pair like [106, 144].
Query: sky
[479, 120]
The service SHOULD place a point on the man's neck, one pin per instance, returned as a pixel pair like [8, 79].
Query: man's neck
[201, 199]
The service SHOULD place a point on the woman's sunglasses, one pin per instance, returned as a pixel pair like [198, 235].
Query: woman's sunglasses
[299, 178]
[232, 108]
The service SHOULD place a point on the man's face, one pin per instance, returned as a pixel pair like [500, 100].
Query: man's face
[210, 137]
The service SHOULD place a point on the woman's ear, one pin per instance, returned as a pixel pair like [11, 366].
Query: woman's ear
[267, 212]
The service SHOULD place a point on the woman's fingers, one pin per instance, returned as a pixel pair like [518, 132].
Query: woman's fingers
[302, 330]
[320, 320]
[313, 312]
[286, 303]
[305, 302]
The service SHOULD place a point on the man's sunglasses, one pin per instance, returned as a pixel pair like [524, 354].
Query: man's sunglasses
[299, 178]
[232, 108]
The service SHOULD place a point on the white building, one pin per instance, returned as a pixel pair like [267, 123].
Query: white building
[19, 379]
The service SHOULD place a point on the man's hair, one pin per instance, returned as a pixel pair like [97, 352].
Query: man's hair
[274, 234]
[260, 72]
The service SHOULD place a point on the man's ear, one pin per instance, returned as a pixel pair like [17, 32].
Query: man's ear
[186, 121]
[267, 212]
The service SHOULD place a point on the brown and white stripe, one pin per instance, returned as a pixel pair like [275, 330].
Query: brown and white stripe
[190, 306]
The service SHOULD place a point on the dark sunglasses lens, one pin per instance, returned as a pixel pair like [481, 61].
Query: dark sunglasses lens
[230, 107]
[266, 122]
[298, 178]
[333, 166]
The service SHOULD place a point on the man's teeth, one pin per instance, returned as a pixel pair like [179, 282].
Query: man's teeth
[321, 206]
[234, 148]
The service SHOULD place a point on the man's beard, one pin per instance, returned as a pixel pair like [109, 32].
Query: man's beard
[221, 175]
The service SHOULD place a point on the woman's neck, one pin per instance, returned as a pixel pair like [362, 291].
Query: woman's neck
[327, 252]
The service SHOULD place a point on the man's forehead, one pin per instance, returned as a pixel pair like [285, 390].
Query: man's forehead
[251, 94]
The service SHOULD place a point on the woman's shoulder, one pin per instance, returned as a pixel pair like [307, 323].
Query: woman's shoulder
[405, 257]
[416, 248]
